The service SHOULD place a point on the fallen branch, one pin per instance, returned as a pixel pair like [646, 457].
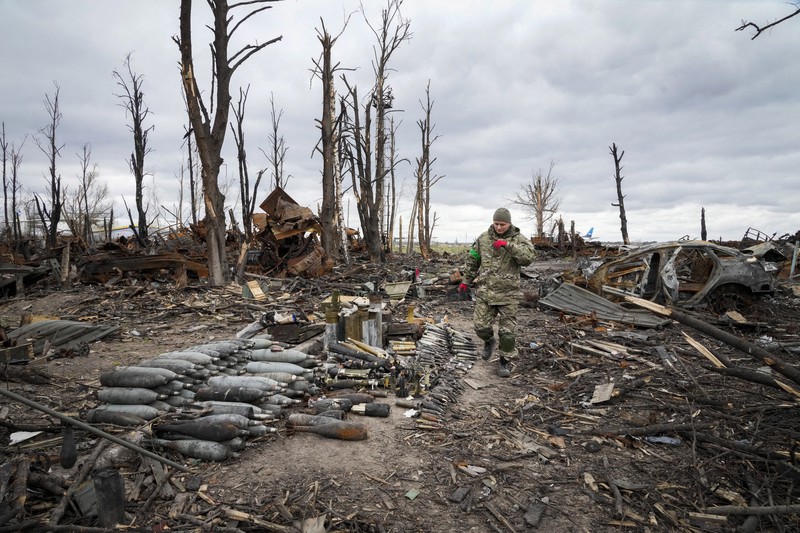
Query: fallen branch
[647, 430]
[762, 355]
[759, 511]
[766, 455]
[745, 374]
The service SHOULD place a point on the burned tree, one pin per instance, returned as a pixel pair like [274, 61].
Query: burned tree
[89, 204]
[50, 213]
[209, 131]
[368, 162]
[15, 187]
[133, 101]
[5, 155]
[277, 148]
[331, 209]
[618, 177]
[703, 232]
[425, 178]
[190, 167]
[247, 195]
[540, 198]
[391, 189]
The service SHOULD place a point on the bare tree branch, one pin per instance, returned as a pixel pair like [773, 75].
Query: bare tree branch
[760, 29]
[540, 198]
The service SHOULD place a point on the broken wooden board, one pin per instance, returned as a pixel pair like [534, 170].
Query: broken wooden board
[17, 354]
[253, 290]
[602, 393]
[295, 332]
[475, 384]
[397, 291]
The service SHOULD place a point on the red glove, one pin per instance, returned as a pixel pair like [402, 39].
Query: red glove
[463, 288]
[499, 243]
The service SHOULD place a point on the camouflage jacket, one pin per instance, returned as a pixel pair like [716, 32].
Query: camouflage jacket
[495, 273]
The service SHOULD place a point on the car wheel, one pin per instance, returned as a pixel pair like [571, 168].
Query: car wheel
[730, 297]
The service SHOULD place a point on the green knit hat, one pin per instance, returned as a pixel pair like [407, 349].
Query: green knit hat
[502, 215]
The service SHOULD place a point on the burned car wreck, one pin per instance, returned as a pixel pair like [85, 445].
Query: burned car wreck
[683, 273]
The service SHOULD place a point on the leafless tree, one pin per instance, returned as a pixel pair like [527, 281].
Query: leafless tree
[412, 224]
[177, 209]
[89, 205]
[277, 148]
[540, 198]
[391, 189]
[761, 29]
[16, 187]
[132, 98]
[209, 131]
[5, 155]
[425, 178]
[369, 185]
[247, 195]
[50, 213]
[191, 164]
[331, 216]
[618, 177]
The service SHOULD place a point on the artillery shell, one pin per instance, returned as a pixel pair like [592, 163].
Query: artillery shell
[212, 430]
[372, 409]
[129, 395]
[196, 448]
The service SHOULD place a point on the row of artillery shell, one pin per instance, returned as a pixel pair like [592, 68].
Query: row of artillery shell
[226, 379]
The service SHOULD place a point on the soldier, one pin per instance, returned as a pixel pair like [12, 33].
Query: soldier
[492, 267]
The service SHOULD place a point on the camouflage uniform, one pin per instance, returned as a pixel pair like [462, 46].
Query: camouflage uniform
[494, 273]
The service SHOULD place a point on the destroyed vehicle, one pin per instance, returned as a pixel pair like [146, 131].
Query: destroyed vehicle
[684, 273]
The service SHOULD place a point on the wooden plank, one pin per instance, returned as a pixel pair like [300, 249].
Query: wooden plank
[17, 354]
[602, 393]
[161, 477]
[255, 290]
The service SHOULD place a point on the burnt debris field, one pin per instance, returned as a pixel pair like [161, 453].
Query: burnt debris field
[354, 399]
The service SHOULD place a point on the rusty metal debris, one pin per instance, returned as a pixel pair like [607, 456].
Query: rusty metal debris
[572, 299]
[59, 336]
[289, 238]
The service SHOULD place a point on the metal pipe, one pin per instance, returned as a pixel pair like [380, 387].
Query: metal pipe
[91, 429]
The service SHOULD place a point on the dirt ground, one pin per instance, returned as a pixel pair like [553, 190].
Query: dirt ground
[531, 452]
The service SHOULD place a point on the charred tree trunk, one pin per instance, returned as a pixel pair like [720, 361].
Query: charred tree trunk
[618, 177]
[425, 178]
[210, 133]
[392, 32]
[50, 215]
[133, 99]
[247, 195]
[4, 148]
[16, 162]
[192, 178]
[703, 232]
[391, 191]
[328, 219]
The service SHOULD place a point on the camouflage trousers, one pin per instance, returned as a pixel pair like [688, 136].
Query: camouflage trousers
[506, 315]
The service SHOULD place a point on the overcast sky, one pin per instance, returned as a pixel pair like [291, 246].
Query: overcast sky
[707, 117]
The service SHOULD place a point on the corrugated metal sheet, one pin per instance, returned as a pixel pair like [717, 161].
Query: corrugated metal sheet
[574, 300]
[61, 334]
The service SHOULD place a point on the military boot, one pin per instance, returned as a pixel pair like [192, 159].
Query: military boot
[504, 370]
[488, 348]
